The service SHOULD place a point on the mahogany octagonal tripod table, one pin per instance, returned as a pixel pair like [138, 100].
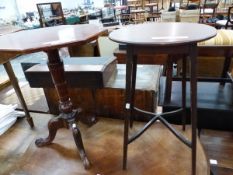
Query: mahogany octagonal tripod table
[50, 40]
[161, 38]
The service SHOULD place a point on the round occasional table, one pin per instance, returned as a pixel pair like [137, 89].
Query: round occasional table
[50, 40]
[162, 38]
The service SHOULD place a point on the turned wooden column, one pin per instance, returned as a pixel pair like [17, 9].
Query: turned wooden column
[68, 116]
[56, 68]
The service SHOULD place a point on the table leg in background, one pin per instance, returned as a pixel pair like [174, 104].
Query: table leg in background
[16, 87]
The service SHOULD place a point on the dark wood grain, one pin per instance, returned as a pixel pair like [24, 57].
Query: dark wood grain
[85, 72]
[161, 38]
[49, 38]
[109, 101]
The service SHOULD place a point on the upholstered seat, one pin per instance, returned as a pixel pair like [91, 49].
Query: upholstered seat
[223, 38]
[213, 66]
[213, 54]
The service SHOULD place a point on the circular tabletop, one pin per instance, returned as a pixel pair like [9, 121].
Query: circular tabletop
[163, 33]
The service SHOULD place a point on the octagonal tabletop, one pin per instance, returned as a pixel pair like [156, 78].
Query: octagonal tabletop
[44, 39]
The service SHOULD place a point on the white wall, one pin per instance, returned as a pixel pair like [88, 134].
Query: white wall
[98, 3]
[8, 10]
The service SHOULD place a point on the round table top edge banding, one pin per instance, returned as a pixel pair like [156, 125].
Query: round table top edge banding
[168, 34]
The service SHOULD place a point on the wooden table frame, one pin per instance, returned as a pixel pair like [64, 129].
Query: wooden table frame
[50, 40]
[207, 51]
[161, 38]
[186, 50]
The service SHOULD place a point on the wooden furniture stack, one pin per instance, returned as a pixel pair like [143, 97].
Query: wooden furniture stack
[151, 4]
[152, 7]
[137, 13]
[135, 4]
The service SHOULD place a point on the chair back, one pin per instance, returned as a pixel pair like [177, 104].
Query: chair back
[212, 4]
[190, 4]
[208, 9]
[150, 1]
[229, 17]
[51, 14]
